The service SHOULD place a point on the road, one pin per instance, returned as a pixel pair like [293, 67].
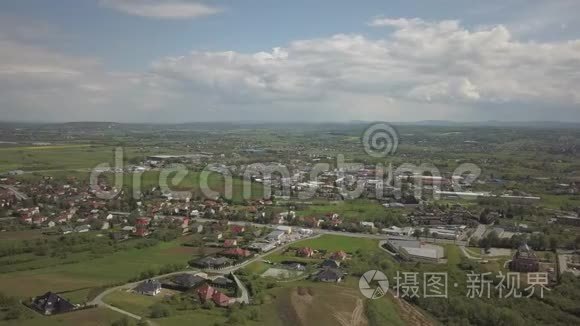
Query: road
[244, 297]
[98, 300]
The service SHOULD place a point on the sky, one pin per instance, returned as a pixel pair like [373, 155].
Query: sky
[174, 61]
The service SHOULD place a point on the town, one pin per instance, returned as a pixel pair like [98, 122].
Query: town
[167, 252]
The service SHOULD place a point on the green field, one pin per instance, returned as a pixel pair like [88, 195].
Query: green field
[118, 267]
[331, 242]
[89, 317]
[132, 302]
[356, 210]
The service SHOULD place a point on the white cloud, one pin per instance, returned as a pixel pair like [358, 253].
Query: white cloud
[418, 70]
[162, 9]
[418, 61]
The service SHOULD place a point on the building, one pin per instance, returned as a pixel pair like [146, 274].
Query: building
[338, 256]
[329, 263]
[284, 228]
[304, 252]
[525, 260]
[148, 287]
[331, 275]
[275, 235]
[51, 304]
[187, 281]
[568, 220]
[230, 243]
[236, 253]
[213, 262]
[207, 292]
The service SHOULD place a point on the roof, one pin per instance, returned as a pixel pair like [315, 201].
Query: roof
[330, 274]
[236, 252]
[52, 302]
[205, 292]
[187, 280]
[330, 263]
[220, 280]
[148, 286]
[220, 299]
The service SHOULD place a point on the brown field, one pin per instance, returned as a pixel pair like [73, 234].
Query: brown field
[321, 305]
[22, 235]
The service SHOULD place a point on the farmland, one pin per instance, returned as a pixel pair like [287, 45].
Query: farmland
[118, 267]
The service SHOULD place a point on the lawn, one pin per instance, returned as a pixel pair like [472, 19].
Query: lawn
[332, 242]
[355, 210]
[132, 302]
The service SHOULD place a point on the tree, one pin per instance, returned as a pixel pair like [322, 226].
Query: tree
[554, 242]
[417, 233]
[159, 311]
[123, 322]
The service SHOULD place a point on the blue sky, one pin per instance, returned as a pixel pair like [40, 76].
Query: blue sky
[176, 60]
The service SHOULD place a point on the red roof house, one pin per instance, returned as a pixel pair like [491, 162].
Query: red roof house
[304, 252]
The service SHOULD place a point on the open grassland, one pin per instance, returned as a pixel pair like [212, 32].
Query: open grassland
[356, 210]
[118, 267]
[132, 302]
[331, 242]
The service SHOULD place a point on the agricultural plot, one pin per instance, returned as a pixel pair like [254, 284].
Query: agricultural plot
[330, 242]
[114, 268]
[89, 317]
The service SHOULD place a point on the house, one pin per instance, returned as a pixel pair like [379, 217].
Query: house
[238, 229]
[207, 292]
[369, 225]
[148, 287]
[304, 252]
[82, 228]
[275, 235]
[312, 222]
[294, 266]
[525, 260]
[196, 228]
[222, 282]
[212, 262]
[331, 275]
[236, 253]
[51, 303]
[329, 263]
[129, 229]
[187, 281]
[230, 243]
[338, 256]
[284, 228]
[305, 232]
[262, 246]
[221, 300]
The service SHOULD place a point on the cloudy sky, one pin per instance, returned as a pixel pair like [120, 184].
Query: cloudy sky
[299, 60]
